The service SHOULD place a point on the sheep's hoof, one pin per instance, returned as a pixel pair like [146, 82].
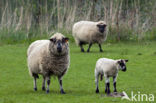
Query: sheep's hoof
[97, 91]
[108, 92]
[43, 88]
[101, 50]
[35, 89]
[47, 91]
[62, 92]
[82, 50]
[115, 91]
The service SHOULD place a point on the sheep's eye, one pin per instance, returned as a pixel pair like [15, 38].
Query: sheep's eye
[64, 40]
[122, 64]
[54, 41]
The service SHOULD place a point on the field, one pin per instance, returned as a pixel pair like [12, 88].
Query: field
[16, 86]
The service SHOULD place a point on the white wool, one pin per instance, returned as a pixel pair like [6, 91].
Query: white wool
[35, 51]
[38, 51]
[88, 32]
[108, 67]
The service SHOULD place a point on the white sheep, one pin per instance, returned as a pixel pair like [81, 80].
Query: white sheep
[108, 68]
[49, 58]
[88, 32]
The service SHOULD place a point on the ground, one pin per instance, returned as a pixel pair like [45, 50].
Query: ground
[16, 85]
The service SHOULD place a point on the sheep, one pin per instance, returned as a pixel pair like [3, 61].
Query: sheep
[108, 68]
[88, 32]
[49, 58]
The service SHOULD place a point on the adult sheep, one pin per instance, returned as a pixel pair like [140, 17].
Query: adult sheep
[108, 68]
[88, 32]
[49, 58]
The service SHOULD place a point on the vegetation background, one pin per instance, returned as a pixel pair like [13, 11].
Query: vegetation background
[25, 20]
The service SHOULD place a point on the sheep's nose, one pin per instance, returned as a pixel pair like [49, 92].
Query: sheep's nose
[59, 47]
[101, 30]
[124, 70]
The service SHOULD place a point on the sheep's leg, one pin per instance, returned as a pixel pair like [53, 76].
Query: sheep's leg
[97, 82]
[101, 77]
[114, 83]
[107, 90]
[48, 83]
[81, 46]
[61, 87]
[43, 84]
[35, 84]
[89, 47]
[100, 48]
[82, 49]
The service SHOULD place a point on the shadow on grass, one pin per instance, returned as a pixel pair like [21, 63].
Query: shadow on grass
[93, 52]
[56, 92]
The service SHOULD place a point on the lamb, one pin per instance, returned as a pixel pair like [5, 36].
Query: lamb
[49, 58]
[88, 32]
[108, 68]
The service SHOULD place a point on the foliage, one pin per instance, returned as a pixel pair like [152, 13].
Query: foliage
[129, 19]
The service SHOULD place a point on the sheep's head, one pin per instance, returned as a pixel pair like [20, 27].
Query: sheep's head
[58, 44]
[101, 26]
[122, 64]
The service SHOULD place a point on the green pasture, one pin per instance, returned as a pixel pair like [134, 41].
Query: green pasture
[16, 85]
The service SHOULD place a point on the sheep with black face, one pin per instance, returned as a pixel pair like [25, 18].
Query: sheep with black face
[49, 58]
[88, 32]
[108, 68]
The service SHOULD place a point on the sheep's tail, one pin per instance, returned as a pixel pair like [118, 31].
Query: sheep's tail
[101, 77]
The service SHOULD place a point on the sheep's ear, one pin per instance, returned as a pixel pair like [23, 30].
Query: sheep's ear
[101, 25]
[126, 60]
[52, 39]
[66, 39]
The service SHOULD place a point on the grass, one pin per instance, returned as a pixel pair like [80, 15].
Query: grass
[11, 36]
[16, 86]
